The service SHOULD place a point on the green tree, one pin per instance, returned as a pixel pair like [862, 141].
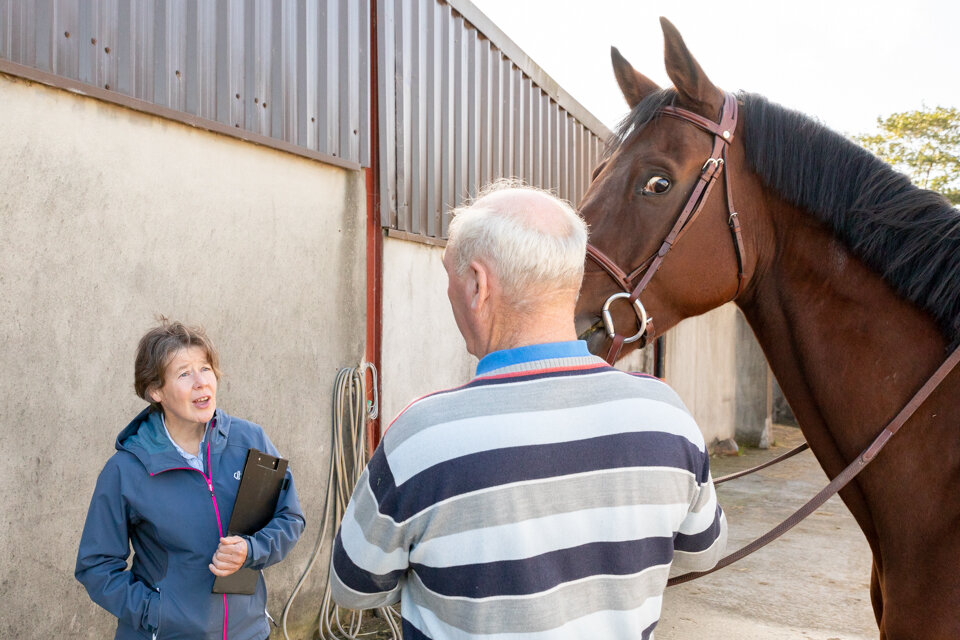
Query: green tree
[923, 144]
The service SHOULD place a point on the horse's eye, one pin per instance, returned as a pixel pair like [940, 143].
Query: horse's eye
[656, 185]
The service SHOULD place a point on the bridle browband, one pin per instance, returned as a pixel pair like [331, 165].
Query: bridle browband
[722, 133]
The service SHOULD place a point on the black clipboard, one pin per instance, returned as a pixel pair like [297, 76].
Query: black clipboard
[260, 486]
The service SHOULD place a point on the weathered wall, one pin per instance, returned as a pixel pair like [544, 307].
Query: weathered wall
[108, 217]
[718, 368]
[701, 366]
[422, 348]
[754, 382]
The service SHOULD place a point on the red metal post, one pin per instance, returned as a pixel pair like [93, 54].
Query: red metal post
[374, 238]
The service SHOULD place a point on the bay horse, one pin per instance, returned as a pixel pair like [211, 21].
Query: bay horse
[848, 275]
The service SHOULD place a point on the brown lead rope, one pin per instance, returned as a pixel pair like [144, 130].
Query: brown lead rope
[841, 480]
[746, 472]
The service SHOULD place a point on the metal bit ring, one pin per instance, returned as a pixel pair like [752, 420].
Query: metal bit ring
[637, 308]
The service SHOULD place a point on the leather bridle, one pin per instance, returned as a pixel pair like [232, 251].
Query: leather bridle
[722, 133]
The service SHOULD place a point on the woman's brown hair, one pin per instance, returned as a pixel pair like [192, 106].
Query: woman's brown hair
[158, 346]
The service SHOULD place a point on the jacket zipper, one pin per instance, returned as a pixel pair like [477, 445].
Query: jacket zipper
[208, 477]
[156, 634]
[213, 496]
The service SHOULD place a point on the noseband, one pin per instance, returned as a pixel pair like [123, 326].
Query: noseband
[722, 137]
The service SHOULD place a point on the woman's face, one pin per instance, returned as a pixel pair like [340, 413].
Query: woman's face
[189, 392]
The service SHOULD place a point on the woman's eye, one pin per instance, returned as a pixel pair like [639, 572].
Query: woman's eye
[184, 374]
[656, 185]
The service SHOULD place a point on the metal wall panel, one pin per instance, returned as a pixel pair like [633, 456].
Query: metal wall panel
[294, 70]
[460, 106]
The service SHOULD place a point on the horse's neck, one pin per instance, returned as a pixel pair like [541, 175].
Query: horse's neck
[847, 351]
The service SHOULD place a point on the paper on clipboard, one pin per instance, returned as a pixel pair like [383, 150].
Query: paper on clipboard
[257, 497]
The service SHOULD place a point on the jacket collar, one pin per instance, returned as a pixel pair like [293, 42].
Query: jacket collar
[144, 437]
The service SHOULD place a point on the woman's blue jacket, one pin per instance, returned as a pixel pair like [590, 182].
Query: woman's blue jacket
[173, 516]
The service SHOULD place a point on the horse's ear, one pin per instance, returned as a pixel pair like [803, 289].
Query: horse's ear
[691, 82]
[634, 85]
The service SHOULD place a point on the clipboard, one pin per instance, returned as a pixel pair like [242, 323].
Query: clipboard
[260, 486]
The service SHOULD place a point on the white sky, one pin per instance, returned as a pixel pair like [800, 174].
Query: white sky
[845, 62]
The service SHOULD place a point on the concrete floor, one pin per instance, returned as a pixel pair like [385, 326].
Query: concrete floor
[811, 583]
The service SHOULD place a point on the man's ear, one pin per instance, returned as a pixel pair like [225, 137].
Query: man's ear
[478, 284]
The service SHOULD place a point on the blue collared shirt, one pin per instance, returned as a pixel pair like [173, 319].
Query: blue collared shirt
[195, 461]
[529, 353]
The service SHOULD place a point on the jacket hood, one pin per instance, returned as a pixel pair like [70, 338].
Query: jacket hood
[144, 437]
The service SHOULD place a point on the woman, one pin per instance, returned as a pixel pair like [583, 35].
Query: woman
[169, 492]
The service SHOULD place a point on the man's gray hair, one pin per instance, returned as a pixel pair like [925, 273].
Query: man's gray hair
[528, 259]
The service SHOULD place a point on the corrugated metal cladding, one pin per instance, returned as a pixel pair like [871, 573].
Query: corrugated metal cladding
[456, 113]
[294, 70]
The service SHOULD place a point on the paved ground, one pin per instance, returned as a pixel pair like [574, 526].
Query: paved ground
[812, 583]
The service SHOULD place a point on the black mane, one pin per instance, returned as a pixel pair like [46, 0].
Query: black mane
[910, 236]
[640, 115]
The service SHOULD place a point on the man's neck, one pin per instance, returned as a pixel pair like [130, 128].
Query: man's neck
[539, 325]
[526, 338]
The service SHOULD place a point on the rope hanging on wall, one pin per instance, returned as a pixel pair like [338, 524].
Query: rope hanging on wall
[348, 459]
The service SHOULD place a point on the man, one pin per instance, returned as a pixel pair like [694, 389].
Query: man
[551, 494]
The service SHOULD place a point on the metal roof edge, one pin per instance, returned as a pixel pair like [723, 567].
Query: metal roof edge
[104, 95]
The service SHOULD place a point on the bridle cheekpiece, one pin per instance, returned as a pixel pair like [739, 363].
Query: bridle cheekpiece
[722, 133]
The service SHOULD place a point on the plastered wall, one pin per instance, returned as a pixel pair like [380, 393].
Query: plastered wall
[701, 366]
[107, 218]
[422, 349]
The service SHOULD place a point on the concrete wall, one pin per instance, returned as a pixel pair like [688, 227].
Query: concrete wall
[422, 348]
[108, 217]
[716, 365]
[754, 404]
[701, 367]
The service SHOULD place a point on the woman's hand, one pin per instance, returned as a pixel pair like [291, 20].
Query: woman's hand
[229, 557]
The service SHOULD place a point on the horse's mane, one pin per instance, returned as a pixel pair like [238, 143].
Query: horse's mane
[910, 236]
[645, 111]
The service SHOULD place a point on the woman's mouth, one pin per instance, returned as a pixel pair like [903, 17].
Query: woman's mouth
[202, 402]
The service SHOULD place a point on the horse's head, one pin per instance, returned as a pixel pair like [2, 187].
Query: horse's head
[654, 173]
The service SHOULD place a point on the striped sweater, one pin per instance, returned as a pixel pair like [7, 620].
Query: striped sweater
[545, 499]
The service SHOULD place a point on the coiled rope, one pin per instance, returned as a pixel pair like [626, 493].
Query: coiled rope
[349, 457]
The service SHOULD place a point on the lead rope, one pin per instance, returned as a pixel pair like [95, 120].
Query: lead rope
[348, 459]
[769, 463]
[866, 457]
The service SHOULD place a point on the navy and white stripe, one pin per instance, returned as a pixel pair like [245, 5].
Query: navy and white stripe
[545, 499]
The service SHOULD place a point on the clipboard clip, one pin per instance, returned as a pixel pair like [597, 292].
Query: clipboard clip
[270, 462]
